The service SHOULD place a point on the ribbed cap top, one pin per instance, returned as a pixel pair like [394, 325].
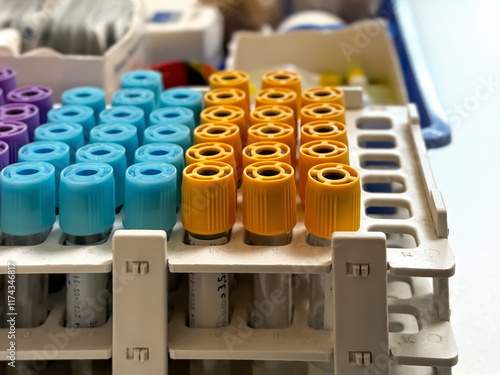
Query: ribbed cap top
[144, 79]
[269, 206]
[266, 151]
[173, 115]
[150, 194]
[25, 112]
[28, 200]
[208, 198]
[15, 134]
[181, 97]
[7, 79]
[322, 111]
[226, 113]
[278, 95]
[319, 152]
[119, 132]
[67, 132]
[168, 133]
[333, 199]
[41, 96]
[282, 78]
[273, 113]
[273, 131]
[325, 130]
[235, 79]
[4, 155]
[87, 199]
[213, 151]
[142, 98]
[92, 97]
[227, 96]
[80, 114]
[112, 154]
[324, 94]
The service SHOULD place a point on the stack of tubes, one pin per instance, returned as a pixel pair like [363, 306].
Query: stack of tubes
[154, 152]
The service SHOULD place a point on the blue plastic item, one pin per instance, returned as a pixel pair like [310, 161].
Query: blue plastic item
[142, 98]
[150, 196]
[121, 133]
[28, 198]
[80, 114]
[144, 79]
[92, 97]
[53, 152]
[87, 199]
[129, 114]
[187, 98]
[174, 115]
[67, 132]
[169, 133]
[164, 153]
[112, 154]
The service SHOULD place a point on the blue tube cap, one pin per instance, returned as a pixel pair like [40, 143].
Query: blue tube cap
[122, 133]
[87, 199]
[164, 153]
[92, 97]
[144, 79]
[112, 154]
[175, 115]
[129, 114]
[67, 132]
[28, 199]
[150, 196]
[142, 98]
[80, 114]
[168, 133]
[53, 152]
[181, 97]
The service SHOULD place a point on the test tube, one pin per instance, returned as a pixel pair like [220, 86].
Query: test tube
[92, 97]
[169, 133]
[213, 151]
[280, 96]
[231, 79]
[40, 96]
[174, 115]
[226, 113]
[119, 132]
[274, 131]
[283, 79]
[80, 114]
[7, 80]
[323, 130]
[228, 96]
[269, 216]
[142, 98]
[274, 113]
[144, 79]
[69, 133]
[27, 113]
[266, 151]
[322, 111]
[183, 97]
[15, 134]
[323, 94]
[208, 214]
[124, 113]
[4, 155]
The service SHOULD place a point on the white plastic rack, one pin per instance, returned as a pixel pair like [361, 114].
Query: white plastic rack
[387, 310]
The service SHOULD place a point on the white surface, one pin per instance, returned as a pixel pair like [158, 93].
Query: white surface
[461, 40]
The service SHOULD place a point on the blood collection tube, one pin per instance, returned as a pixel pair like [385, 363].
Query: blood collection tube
[226, 113]
[183, 97]
[119, 132]
[27, 113]
[282, 78]
[322, 111]
[280, 96]
[233, 79]
[40, 96]
[144, 79]
[7, 80]
[323, 130]
[80, 114]
[92, 97]
[173, 115]
[213, 151]
[208, 214]
[164, 153]
[4, 155]
[142, 98]
[15, 134]
[124, 113]
[319, 152]
[228, 96]
[266, 151]
[112, 154]
[324, 94]
[273, 113]
[274, 131]
[69, 133]
[168, 133]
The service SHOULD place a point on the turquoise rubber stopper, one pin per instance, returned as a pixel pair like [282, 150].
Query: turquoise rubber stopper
[144, 79]
[80, 114]
[67, 132]
[142, 98]
[28, 198]
[53, 152]
[112, 154]
[168, 133]
[182, 97]
[87, 199]
[124, 113]
[150, 196]
[92, 97]
[164, 153]
[174, 115]
[122, 133]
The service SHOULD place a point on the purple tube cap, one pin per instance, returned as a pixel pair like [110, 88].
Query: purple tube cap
[4, 155]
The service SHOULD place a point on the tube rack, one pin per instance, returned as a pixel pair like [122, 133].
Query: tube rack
[387, 311]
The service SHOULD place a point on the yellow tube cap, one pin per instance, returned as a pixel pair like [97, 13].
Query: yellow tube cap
[273, 131]
[333, 199]
[221, 132]
[282, 78]
[208, 198]
[324, 94]
[322, 111]
[227, 96]
[278, 95]
[213, 151]
[235, 79]
[266, 151]
[319, 152]
[269, 206]
[325, 130]
[226, 113]
[273, 113]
